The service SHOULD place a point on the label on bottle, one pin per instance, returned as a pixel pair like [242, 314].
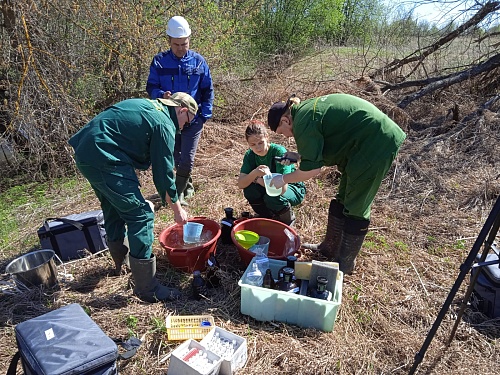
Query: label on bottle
[228, 223]
[294, 290]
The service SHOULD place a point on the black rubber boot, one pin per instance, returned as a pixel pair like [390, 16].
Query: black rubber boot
[352, 239]
[330, 247]
[286, 216]
[147, 287]
[261, 209]
[181, 183]
[119, 252]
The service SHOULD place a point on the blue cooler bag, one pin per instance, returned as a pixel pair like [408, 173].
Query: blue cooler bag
[486, 294]
[73, 236]
[65, 341]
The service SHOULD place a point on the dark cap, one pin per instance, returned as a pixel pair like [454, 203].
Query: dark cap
[277, 110]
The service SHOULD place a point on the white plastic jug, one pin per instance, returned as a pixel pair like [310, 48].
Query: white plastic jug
[271, 190]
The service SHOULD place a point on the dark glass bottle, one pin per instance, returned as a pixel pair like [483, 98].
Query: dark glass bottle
[290, 262]
[245, 215]
[199, 285]
[213, 266]
[320, 291]
[269, 280]
[287, 283]
[226, 225]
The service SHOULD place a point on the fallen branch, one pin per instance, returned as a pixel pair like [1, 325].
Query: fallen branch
[488, 65]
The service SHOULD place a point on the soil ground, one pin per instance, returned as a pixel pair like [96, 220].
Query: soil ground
[425, 220]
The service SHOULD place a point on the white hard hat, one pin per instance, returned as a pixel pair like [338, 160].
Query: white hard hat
[178, 27]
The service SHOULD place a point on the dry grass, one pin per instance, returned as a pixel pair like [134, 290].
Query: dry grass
[439, 191]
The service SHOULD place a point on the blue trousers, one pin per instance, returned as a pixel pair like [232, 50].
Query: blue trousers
[186, 144]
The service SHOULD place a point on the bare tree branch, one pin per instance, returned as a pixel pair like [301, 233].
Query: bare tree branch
[488, 65]
[482, 13]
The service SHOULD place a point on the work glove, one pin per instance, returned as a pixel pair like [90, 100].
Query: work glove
[278, 181]
[289, 157]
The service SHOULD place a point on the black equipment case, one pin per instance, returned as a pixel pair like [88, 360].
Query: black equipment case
[486, 294]
[69, 236]
[65, 341]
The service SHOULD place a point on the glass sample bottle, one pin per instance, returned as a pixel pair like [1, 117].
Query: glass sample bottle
[320, 291]
[254, 276]
[268, 281]
[290, 262]
[199, 286]
[226, 225]
[287, 283]
[213, 267]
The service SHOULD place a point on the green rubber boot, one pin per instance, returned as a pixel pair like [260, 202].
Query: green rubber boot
[119, 252]
[147, 287]
[352, 240]
[181, 182]
[330, 247]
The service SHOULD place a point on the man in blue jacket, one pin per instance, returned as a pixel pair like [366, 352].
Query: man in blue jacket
[182, 70]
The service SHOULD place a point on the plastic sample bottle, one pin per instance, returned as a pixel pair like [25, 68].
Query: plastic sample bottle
[213, 266]
[254, 276]
[199, 285]
[320, 291]
[268, 281]
[262, 260]
[287, 284]
[226, 225]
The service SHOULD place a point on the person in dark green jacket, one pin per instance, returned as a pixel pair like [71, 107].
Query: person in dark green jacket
[129, 135]
[258, 161]
[358, 138]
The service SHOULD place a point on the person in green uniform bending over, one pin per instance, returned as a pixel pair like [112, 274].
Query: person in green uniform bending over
[134, 134]
[358, 138]
[258, 161]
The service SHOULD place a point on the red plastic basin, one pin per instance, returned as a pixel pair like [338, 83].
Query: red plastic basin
[274, 230]
[184, 257]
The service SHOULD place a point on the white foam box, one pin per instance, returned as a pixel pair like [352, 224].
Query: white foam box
[240, 355]
[178, 366]
[275, 305]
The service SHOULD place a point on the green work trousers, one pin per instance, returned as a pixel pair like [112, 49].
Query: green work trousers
[294, 195]
[359, 185]
[126, 212]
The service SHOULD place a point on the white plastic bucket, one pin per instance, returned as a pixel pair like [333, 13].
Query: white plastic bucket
[271, 190]
[34, 269]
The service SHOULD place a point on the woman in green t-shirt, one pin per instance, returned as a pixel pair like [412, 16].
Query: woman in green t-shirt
[354, 135]
[258, 161]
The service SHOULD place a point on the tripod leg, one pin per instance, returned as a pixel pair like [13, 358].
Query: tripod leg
[493, 217]
[463, 305]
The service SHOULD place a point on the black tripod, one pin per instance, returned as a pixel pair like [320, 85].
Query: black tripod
[486, 237]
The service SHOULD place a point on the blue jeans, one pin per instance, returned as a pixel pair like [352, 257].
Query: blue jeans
[186, 144]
